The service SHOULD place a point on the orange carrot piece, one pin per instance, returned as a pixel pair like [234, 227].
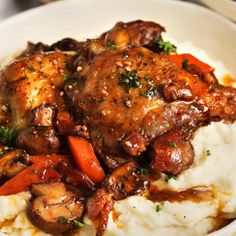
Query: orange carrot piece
[86, 159]
[179, 58]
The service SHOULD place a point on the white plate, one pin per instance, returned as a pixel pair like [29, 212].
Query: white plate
[185, 23]
[224, 7]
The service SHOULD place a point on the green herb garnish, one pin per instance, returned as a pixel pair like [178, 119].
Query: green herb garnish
[166, 46]
[78, 224]
[140, 55]
[208, 153]
[168, 177]
[111, 45]
[125, 54]
[31, 68]
[63, 220]
[7, 135]
[65, 78]
[159, 207]
[172, 144]
[33, 171]
[129, 79]
[151, 92]
[185, 63]
[144, 171]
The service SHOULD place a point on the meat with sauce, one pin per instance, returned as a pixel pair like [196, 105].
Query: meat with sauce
[129, 96]
[32, 92]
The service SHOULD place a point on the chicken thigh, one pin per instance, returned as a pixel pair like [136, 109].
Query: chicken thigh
[32, 95]
[129, 97]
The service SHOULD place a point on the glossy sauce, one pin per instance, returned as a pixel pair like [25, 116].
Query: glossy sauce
[198, 194]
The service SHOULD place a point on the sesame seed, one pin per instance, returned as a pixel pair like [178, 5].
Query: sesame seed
[79, 68]
[104, 92]
[119, 63]
[128, 144]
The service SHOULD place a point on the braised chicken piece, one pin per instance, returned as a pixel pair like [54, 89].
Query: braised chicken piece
[129, 97]
[32, 94]
[122, 35]
[55, 209]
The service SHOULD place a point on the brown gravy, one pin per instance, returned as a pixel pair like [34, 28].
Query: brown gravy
[199, 194]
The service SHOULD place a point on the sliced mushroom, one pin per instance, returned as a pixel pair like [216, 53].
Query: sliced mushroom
[55, 209]
[126, 180]
[11, 163]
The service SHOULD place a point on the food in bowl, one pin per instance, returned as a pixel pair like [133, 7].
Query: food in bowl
[117, 135]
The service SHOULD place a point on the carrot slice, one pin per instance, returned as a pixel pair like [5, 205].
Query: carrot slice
[40, 171]
[179, 58]
[86, 159]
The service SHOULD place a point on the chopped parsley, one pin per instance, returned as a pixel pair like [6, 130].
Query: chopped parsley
[150, 93]
[111, 45]
[144, 171]
[185, 63]
[129, 79]
[159, 207]
[125, 54]
[78, 224]
[63, 220]
[172, 144]
[140, 55]
[168, 177]
[208, 153]
[8, 148]
[31, 68]
[7, 135]
[166, 46]
[33, 171]
[65, 78]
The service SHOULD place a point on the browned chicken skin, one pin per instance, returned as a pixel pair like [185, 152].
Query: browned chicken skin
[128, 96]
[32, 92]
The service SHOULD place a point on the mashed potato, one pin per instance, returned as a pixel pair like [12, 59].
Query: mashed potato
[137, 215]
